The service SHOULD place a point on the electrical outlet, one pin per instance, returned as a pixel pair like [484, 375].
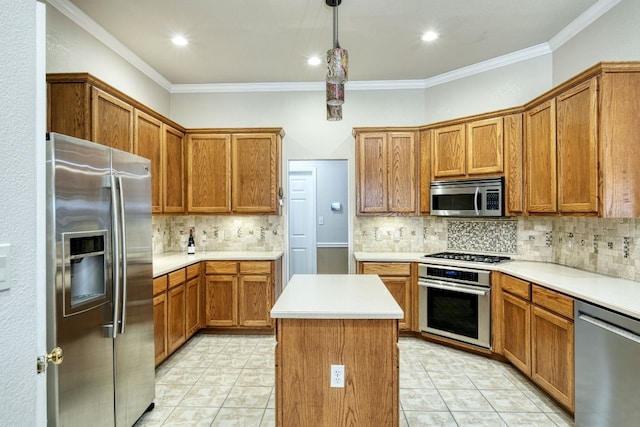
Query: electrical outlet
[337, 376]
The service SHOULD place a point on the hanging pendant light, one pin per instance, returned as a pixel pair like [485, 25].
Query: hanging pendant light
[337, 69]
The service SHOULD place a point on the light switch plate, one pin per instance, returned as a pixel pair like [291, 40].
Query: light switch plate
[5, 267]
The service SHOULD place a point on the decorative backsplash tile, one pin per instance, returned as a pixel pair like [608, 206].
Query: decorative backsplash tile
[388, 234]
[493, 236]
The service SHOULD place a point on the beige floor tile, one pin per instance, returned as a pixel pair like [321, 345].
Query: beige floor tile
[231, 360]
[478, 419]
[248, 397]
[465, 400]
[256, 377]
[430, 419]
[415, 379]
[238, 417]
[509, 401]
[155, 417]
[219, 376]
[449, 381]
[195, 417]
[170, 394]
[535, 419]
[484, 380]
[181, 375]
[415, 399]
[206, 396]
[269, 418]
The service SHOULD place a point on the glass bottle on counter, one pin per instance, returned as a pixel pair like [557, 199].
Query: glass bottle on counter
[191, 244]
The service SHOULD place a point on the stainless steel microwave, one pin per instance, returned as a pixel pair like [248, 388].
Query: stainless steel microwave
[468, 198]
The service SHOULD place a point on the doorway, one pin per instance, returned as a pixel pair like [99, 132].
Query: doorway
[318, 217]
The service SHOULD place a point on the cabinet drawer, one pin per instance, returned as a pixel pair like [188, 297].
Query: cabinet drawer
[193, 270]
[159, 284]
[255, 267]
[553, 301]
[177, 277]
[387, 268]
[222, 267]
[517, 287]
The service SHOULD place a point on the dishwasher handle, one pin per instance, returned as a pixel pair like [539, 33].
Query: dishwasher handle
[610, 327]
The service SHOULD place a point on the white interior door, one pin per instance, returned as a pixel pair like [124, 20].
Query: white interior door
[302, 226]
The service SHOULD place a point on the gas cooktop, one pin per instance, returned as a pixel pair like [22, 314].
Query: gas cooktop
[487, 259]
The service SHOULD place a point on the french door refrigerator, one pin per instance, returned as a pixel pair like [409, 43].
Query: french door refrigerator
[99, 284]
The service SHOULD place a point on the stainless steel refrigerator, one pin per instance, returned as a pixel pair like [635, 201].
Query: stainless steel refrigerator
[99, 284]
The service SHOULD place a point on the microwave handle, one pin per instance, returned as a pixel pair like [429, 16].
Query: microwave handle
[475, 201]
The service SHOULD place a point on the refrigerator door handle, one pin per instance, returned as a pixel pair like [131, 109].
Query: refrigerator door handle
[115, 282]
[123, 243]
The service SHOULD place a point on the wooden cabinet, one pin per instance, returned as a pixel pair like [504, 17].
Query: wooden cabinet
[399, 280]
[577, 144]
[160, 318]
[513, 165]
[234, 172]
[147, 143]
[193, 300]
[540, 168]
[209, 162]
[534, 331]
[471, 149]
[173, 173]
[425, 171]
[241, 293]
[176, 303]
[111, 120]
[552, 344]
[386, 171]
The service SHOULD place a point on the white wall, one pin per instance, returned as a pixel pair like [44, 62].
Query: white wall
[615, 36]
[71, 49]
[18, 213]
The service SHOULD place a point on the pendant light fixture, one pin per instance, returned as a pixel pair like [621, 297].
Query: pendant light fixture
[337, 69]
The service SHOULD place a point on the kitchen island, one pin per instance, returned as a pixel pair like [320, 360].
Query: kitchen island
[325, 323]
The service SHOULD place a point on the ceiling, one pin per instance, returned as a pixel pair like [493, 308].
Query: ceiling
[260, 41]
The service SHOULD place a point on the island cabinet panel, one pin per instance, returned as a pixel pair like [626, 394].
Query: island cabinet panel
[256, 173]
[112, 121]
[306, 350]
[577, 142]
[147, 143]
[540, 142]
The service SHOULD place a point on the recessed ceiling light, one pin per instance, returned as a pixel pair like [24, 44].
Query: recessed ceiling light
[179, 40]
[429, 36]
[314, 61]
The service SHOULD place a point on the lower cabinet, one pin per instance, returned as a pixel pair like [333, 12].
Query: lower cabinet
[176, 303]
[240, 293]
[398, 278]
[535, 326]
[192, 300]
[160, 318]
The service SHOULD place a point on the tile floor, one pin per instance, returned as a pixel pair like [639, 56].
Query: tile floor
[221, 380]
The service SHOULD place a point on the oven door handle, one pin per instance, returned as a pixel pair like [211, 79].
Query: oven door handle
[454, 288]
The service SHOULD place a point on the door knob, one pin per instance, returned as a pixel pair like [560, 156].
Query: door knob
[56, 357]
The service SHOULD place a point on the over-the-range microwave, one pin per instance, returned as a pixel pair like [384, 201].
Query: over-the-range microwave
[468, 198]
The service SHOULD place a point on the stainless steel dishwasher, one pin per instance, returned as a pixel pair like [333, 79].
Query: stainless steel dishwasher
[607, 367]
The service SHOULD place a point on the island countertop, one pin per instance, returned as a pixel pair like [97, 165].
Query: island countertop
[336, 296]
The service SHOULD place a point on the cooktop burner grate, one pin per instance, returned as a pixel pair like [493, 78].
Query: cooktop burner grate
[488, 259]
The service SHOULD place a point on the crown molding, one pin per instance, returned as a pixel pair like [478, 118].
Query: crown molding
[581, 22]
[576, 26]
[74, 13]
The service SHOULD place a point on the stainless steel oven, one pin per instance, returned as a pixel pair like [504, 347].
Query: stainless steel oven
[455, 302]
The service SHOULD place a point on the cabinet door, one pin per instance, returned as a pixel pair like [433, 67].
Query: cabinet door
[160, 327]
[173, 170]
[540, 145]
[578, 148]
[176, 304]
[371, 164]
[448, 151]
[209, 173]
[147, 143]
[69, 109]
[111, 121]
[192, 315]
[400, 288]
[553, 355]
[401, 178]
[485, 147]
[222, 300]
[516, 332]
[256, 173]
[425, 171]
[514, 175]
[255, 300]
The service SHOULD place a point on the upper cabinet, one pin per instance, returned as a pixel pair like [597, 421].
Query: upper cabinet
[147, 143]
[468, 149]
[387, 174]
[425, 171]
[234, 172]
[540, 142]
[111, 121]
[173, 170]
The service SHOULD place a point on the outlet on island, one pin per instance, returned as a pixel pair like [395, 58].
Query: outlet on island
[337, 376]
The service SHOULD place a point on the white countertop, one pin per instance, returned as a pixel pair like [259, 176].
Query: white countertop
[166, 263]
[336, 296]
[621, 295]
